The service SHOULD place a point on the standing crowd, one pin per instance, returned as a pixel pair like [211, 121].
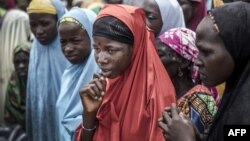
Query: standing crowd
[123, 70]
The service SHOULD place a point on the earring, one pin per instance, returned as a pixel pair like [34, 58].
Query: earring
[180, 73]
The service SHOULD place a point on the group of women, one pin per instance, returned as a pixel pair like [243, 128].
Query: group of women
[132, 74]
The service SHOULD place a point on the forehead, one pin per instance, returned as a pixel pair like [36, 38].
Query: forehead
[67, 26]
[206, 30]
[21, 54]
[41, 16]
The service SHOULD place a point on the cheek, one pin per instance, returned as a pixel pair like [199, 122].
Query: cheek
[84, 51]
[149, 24]
[122, 61]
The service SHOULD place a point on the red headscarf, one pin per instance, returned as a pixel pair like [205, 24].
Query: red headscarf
[199, 12]
[135, 100]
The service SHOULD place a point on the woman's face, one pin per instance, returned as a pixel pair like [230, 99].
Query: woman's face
[214, 61]
[75, 42]
[187, 9]
[169, 58]
[21, 63]
[112, 57]
[153, 16]
[43, 27]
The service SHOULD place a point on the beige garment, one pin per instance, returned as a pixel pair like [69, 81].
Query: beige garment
[218, 3]
[15, 30]
[87, 3]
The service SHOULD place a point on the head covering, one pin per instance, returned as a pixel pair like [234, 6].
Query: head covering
[182, 41]
[199, 12]
[15, 30]
[74, 2]
[41, 6]
[113, 29]
[69, 106]
[233, 22]
[25, 47]
[14, 112]
[135, 99]
[171, 14]
[46, 67]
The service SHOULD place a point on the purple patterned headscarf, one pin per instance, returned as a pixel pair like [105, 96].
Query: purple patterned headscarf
[182, 41]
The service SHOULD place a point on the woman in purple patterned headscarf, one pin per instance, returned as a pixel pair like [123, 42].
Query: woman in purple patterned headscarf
[177, 51]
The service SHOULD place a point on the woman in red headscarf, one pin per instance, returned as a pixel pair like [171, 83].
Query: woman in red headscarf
[124, 101]
[194, 11]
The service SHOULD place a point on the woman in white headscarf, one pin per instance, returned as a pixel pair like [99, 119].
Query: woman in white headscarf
[15, 30]
[163, 15]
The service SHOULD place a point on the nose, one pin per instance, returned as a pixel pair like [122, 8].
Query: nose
[68, 48]
[39, 30]
[102, 58]
[21, 65]
[198, 62]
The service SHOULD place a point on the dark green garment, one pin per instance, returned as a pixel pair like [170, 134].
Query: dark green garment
[14, 112]
[15, 101]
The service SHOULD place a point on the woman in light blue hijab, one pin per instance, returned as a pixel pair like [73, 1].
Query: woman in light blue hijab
[47, 64]
[75, 30]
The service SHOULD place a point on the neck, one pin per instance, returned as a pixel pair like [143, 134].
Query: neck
[182, 85]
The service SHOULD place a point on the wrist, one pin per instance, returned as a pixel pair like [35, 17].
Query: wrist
[88, 129]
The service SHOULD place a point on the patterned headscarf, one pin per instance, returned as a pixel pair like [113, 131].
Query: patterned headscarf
[182, 41]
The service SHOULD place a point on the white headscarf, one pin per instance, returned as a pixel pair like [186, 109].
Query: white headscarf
[15, 30]
[171, 14]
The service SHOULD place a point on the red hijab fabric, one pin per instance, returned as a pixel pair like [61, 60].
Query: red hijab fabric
[135, 100]
[199, 12]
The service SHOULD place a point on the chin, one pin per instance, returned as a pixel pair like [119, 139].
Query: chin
[209, 84]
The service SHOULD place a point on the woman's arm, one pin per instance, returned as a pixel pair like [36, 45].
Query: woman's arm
[91, 97]
[88, 126]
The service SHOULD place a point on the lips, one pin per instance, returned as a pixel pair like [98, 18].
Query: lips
[70, 56]
[106, 72]
[42, 39]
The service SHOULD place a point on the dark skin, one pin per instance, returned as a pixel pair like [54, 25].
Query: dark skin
[216, 66]
[172, 62]
[21, 63]
[153, 16]
[174, 125]
[187, 8]
[43, 27]
[113, 58]
[215, 63]
[75, 42]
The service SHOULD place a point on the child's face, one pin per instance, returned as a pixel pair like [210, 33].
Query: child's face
[21, 62]
[75, 42]
[113, 57]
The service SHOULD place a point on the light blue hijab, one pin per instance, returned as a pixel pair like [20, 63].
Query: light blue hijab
[69, 106]
[46, 67]
[171, 14]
